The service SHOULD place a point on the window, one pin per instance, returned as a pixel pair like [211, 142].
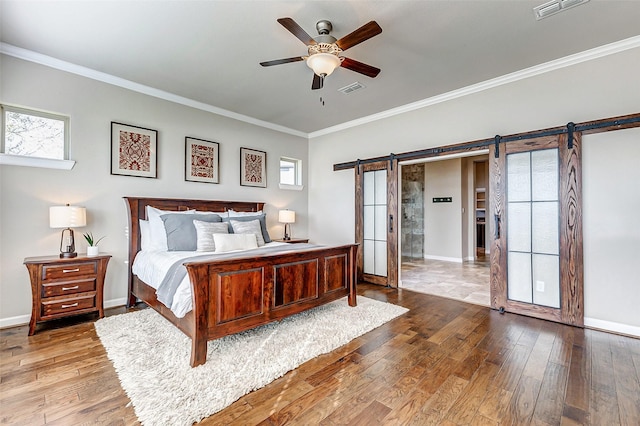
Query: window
[34, 138]
[290, 173]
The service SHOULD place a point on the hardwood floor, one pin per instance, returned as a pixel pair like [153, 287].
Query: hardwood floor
[444, 362]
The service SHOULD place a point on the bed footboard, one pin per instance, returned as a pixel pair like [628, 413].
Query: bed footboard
[236, 295]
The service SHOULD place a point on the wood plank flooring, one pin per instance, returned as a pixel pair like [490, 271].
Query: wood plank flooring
[445, 362]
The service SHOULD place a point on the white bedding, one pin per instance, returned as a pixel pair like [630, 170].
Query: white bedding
[151, 266]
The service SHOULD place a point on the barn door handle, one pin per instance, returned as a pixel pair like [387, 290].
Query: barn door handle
[390, 223]
[496, 218]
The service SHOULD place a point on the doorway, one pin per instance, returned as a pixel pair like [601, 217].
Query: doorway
[442, 228]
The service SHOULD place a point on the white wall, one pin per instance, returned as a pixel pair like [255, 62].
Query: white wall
[611, 219]
[443, 221]
[600, 88]
[26, 193]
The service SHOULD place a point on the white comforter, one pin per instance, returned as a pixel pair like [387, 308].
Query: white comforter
[151, 266]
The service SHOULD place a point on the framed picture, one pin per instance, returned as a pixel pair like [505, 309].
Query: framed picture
[253, 168]
[202, 161]
[133, 150]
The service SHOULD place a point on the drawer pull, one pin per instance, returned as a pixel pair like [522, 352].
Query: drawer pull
[73, 305]
[66, 271]
[75, 287]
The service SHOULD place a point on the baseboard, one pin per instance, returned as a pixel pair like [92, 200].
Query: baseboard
[614, 327]
[443, 258]
[469, 259]
[24, 319]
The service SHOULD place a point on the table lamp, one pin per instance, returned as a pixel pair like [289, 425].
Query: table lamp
[287, 217]
[67, 217]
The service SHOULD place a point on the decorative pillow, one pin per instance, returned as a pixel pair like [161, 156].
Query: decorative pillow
[181, 232]
[205, 231]
[263, 224]
[145, 235]
[233, 213]
[248, 227]
[156, 225]
[230, 242]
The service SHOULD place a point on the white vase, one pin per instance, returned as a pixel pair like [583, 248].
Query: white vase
[93, 250]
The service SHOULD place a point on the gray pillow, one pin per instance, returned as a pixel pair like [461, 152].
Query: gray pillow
[248, 227]
[181, 233]
[205, 231]
[263, 224]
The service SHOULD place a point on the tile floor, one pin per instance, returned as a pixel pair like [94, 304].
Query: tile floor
[467, 281]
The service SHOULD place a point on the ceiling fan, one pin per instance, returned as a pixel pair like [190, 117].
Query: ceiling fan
[324, 50]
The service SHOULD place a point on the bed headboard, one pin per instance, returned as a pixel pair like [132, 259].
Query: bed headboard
[136, 207]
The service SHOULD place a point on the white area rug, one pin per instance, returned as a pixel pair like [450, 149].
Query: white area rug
[151, 357]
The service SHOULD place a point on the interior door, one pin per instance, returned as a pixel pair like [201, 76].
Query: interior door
[536, 228]
[377, 222]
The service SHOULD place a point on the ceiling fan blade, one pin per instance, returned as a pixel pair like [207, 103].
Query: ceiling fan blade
[318, 82]
[296, 30]
[365, 32]
[281, 61]
[361, 68]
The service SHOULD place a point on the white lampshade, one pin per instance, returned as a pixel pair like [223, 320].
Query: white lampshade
[67, 216]
[323, 63]
[287, 216]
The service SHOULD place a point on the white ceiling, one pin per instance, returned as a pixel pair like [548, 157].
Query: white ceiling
[209, 51]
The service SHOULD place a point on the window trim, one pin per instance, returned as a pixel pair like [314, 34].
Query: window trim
[32, 161]
[298, 186]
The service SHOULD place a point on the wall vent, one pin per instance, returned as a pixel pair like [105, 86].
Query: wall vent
[555, 6]
[351, 88]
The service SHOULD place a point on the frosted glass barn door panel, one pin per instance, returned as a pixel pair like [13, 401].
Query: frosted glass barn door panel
[375, 223]
[536, 218]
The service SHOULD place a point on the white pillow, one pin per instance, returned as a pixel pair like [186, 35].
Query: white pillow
[233, 213]
[205, 231]
[248, 227]
[145, 234]
[230, 242]
[221, 214]
[156, 225]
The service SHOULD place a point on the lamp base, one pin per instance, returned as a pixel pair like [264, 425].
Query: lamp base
[68, 255]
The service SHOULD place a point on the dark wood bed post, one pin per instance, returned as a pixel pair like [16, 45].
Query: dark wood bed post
[353, 276]
[134, 244]
[201, 314]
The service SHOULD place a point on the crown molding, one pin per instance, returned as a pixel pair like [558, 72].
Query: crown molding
[587, 55]
[39, 58]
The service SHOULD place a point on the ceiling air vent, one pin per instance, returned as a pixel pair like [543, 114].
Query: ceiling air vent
[351, 88]
[555, 6]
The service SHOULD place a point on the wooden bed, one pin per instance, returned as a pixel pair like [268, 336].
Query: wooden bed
[230, 296]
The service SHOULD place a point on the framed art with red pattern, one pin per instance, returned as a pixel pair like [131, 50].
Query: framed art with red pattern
[253, 168]
[202, 161]
[134, 150]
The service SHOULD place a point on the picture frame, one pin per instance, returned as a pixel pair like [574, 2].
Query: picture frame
[202, 160]
[253, 168]
[134, 150]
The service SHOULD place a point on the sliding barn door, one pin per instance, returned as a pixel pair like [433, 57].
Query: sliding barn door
[536, 229]
[376, 222]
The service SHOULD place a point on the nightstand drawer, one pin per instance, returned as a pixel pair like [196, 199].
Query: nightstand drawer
[66, 305]
[68, 287]
[69, 270]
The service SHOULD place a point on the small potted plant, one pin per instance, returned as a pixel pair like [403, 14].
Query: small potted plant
[92, 249]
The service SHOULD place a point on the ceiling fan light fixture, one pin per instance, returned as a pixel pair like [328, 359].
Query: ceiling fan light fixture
[323, 64]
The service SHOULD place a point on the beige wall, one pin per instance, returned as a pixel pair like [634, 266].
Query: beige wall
[443, 221]
[26, 193]
[611, 221]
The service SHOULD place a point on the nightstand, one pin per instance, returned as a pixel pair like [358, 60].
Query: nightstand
[293, 240]
[65, 287]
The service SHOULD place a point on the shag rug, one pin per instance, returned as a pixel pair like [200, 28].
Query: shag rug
[151, 357]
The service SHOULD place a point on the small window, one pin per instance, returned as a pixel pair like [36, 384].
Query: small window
[290, 172]
[36, 134]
